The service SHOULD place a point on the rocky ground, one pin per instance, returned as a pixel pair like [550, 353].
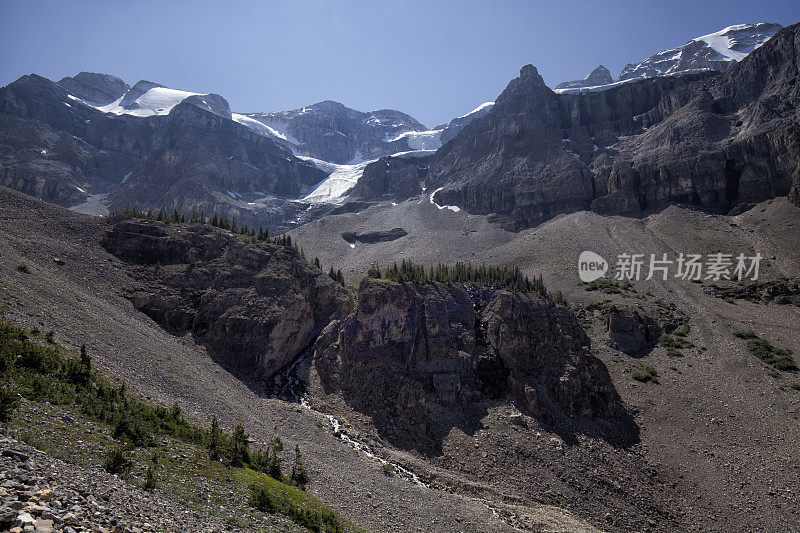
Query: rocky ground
[40, 493]
[718, 429]
[717, 434]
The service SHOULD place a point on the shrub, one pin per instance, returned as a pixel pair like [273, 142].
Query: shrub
[9, 402]
[150, 478]
[133, 432]
[777, 357]
[24, 268]
[116, 462]
[49, 336]
[261, 499]
[745, 334]
[645, 374]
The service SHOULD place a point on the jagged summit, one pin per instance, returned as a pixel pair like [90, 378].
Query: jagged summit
[599, 76]
[713, 52]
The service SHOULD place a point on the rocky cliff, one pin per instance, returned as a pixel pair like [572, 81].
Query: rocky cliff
[256, 305]
[333, 132]
[62, 150]
[407, 352]
[714, 141]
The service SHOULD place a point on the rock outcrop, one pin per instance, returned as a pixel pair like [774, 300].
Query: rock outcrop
[599, 76]
[256, 305]
[631, 331]
[371, 237]
[94, 87]
[391, 178]
[407, 351]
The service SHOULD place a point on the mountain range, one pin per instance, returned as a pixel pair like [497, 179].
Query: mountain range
[326, 319]
[94, 143]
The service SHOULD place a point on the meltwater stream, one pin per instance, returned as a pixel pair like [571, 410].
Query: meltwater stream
[293, 388]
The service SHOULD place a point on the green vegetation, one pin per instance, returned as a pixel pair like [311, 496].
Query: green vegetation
[498, 277]
[609, 286]
[645, 374]
[48, 375]
[605, 307]
[674, 344]
[116, 462]
[271, 501]
[778, 358]
[336, 276]
[24, 268]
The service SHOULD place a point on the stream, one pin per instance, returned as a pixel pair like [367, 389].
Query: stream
[292, 388]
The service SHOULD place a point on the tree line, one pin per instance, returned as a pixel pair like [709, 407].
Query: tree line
[466, 273]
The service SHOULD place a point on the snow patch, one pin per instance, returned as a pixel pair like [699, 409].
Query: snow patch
[453, 208]
[480, 107]
[420, 140]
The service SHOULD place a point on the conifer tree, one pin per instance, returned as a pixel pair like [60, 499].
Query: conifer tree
[299, 473]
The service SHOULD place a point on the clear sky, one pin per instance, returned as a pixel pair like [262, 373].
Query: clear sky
[432, 59]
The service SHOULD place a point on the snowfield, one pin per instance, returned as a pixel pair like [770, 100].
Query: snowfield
[156, 101]
[334, 188]
[421, 140]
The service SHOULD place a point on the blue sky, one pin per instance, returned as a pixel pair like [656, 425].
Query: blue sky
[434, 60]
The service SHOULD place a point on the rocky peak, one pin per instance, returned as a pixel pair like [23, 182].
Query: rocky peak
[599, 76]
[141, 87]
[94, 87]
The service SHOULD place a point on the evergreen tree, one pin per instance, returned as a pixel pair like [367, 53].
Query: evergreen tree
[215, 440]
[240, 454]
[276, 447]
[299, 473]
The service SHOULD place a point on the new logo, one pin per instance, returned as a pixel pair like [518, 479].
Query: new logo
[591, 266]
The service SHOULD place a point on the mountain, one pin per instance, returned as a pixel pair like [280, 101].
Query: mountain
[599, 76]
[151, 147]
[716, 51]
[332, 132]
[457, 124]
[100, 89]
[707, 139]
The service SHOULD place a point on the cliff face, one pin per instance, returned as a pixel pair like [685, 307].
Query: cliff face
[62, 150]
[257, 306]
[706, 139]
[407, 352]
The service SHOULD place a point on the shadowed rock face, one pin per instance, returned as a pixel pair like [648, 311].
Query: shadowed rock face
[391, 177]
[706, 139]
[257, 306]
[372, 237]
[407, 351]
